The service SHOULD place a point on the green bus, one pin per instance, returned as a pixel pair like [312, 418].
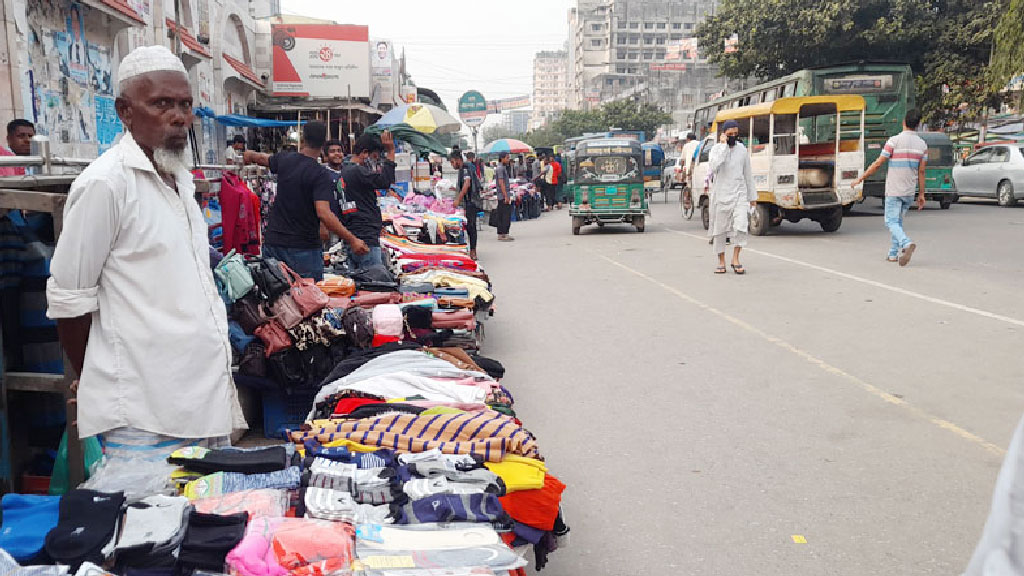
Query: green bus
[887, 88]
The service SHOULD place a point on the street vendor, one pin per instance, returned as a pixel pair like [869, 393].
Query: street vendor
[137, 310]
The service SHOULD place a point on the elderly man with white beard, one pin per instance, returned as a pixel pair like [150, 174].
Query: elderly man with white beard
[137, 310]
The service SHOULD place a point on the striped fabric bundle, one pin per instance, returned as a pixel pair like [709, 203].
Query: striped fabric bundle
[488, 435]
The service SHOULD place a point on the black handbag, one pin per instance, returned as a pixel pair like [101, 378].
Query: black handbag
[269, 278]
[248, 311]
[254, 360]
[287, 369]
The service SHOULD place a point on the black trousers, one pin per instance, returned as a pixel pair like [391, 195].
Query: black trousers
[504, 217]
[471, 213]
[549, 191]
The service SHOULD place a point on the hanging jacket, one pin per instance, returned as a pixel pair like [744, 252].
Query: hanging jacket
[241, 219]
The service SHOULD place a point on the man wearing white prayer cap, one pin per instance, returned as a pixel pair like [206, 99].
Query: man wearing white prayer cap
[137, 310]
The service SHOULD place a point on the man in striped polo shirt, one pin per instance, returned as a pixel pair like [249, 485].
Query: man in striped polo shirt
[907, 155]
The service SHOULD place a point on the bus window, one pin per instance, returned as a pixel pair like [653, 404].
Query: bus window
[849, 131]
[785, 134]
[789, 90]
[760, 134]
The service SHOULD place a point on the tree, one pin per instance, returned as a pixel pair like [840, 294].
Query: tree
[1008, 52]
[496, 132]
[630, 115]
[544, 137]
[946, 42]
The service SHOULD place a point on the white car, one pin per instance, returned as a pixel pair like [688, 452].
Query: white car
[993, 171]
[671, 173]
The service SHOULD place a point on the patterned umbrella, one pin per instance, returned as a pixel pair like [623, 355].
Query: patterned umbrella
[510, 145]
[425, 118]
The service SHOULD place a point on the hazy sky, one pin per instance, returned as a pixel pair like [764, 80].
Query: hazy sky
[454, 46]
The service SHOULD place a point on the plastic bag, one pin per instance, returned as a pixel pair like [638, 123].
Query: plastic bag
[447, 546]
[299, 546]
[92, 453]
[136, 477]
[265, 503]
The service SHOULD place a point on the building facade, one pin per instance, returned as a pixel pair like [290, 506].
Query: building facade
[63, 57]
[516, 121]
[644, 49]
[550, 86]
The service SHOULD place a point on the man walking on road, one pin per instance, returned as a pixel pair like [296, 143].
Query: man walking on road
[505, 200]
[907, 155]
[733, 195]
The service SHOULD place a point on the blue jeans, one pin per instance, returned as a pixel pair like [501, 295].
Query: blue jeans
[306, 262]
[896, 208]
[371, 258]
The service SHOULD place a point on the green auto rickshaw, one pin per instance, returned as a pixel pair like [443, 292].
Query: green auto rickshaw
[606, 183]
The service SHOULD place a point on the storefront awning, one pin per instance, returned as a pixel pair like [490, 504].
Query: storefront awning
[117, 9]
[244, 71]
[237, 120]
[188, 40]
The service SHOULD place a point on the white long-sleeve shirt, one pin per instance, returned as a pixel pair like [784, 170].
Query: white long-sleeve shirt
[733, 176]
[134, 254]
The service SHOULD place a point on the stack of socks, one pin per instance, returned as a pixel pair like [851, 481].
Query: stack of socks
[87, 524]
[153, 530]
[338, 506]
[208, 540]
[206, 461]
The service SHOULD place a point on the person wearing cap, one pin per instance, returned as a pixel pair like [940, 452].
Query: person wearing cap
[733, 195]
[131, 288]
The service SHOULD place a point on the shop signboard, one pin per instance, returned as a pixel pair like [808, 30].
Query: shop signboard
[472, 108]
[321, 60]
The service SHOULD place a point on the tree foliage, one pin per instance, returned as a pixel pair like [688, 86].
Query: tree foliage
[946, 42]
[497, 132]
[621, 114]
[1008, 52]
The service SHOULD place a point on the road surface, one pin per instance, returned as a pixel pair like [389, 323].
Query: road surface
[713, 424]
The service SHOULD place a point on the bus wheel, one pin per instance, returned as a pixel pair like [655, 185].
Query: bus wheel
[945, 203]
[760, 220]
[638, 222]
[577, 223]
[833, 221]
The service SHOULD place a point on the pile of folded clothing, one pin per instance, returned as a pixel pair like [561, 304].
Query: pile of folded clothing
[410, 461]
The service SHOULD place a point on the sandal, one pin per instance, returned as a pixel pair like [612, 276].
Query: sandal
[720, 270]
[738, 269]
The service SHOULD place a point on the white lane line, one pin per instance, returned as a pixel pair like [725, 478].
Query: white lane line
[814, 360]
[877, 284]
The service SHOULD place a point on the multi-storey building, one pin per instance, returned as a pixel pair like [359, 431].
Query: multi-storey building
[550, 86]
[644, 49]
[516, 121]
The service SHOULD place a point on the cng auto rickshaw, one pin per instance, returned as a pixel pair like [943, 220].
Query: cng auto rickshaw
[938, 172]
[804, 153]
[606, 184]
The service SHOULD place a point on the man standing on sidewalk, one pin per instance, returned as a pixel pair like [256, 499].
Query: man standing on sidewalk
[305, 194]
[469, 192]
[907, 155]
[372, 169]
[505, 199]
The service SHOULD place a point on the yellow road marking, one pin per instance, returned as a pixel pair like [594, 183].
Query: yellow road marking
[814, 360]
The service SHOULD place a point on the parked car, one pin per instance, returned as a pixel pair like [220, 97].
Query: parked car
[994, 171]
[673, 167]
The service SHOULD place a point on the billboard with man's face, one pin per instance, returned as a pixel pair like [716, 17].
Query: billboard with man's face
[321, 61]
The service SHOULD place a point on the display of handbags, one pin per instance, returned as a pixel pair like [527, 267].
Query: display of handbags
[274, 336]
[307, 296]
[269, 278]
[234, 276]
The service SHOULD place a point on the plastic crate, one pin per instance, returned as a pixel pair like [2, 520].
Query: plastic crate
[282, 412]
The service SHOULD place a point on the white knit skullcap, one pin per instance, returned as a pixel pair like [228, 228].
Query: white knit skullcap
[146, 59]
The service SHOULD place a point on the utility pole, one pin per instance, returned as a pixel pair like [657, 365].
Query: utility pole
[177, 28]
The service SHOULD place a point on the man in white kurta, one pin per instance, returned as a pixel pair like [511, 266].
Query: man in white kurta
[733, 195]
[131, 288]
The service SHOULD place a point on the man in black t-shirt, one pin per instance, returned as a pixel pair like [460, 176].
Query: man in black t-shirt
[305, 193]
[362, 178]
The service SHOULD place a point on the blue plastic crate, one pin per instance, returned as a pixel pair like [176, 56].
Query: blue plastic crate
[282, 412]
